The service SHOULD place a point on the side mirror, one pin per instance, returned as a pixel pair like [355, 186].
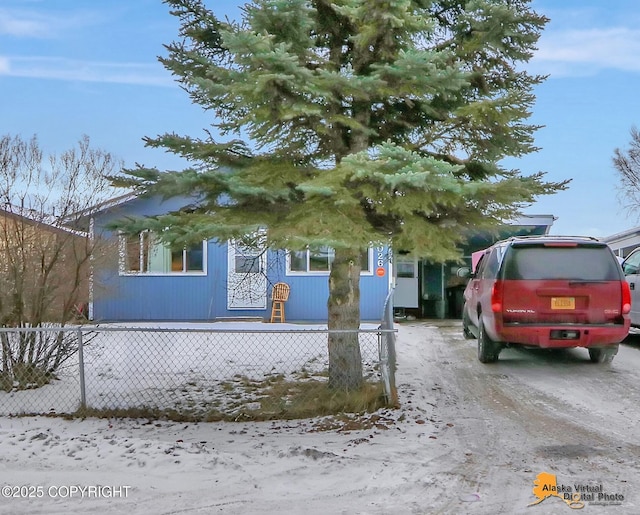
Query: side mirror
[464, 272]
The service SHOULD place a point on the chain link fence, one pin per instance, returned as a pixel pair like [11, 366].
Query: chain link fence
[387, 352]
[190, 374]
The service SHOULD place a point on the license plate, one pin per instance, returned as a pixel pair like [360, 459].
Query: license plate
[563, 303]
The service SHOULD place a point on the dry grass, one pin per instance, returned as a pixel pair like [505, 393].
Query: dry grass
[25, 376]
[274, 398]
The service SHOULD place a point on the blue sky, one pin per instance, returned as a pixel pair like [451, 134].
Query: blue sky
[69, 68]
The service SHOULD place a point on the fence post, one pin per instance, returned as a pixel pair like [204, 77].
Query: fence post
[391, 341]
[83, 395]
[387, 351]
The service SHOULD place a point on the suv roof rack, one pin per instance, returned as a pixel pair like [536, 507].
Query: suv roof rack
[552, 237]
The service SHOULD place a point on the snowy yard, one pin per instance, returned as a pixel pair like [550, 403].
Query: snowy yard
[187, 368]
[141, 466]
[467, 439]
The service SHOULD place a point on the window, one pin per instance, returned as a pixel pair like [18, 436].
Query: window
[583, 262]
[247, 259]
[632, 264]
[490, 268]
[319, 261]
[146, 254]
[405, 269]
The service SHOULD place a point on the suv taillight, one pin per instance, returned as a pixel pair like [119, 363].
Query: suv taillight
[496, 297]
[626, 298]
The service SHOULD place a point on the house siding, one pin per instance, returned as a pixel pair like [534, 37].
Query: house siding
[31, 240]
[309, 294]
[204, 297]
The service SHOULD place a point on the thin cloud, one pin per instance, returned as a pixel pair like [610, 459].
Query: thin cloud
[84, 71]
[586, 52]
[24, 23]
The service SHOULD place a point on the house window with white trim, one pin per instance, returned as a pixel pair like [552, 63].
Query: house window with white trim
[247, 259]
[319, 261]
[145, 253]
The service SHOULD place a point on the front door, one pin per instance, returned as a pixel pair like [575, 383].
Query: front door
[246, 277]
[406, 288]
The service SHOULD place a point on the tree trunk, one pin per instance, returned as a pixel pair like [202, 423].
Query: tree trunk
[345, 360]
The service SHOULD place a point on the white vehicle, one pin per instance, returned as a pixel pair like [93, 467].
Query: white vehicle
[631, 269]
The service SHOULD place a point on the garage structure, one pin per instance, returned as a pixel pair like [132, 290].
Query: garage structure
[623, 243]
[434, 290]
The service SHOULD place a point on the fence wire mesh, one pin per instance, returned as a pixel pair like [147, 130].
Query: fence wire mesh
[203, 374]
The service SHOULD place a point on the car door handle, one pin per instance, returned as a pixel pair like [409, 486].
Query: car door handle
[632, 286]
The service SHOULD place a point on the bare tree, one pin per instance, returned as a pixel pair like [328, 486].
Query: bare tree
[627, 163]
[45, 250]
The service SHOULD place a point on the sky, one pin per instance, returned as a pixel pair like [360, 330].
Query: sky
[71, 68]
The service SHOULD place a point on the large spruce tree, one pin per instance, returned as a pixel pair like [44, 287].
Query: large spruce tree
[347, 123]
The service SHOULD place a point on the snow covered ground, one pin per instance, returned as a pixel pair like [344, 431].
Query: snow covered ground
[184, 366]
[467, 439]
[139, 466]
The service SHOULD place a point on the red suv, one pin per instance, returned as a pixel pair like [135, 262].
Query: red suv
[547, 292]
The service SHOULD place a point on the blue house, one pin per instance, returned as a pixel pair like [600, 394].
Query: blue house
[215, 279]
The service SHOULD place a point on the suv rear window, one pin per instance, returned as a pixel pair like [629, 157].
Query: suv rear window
[534, 262]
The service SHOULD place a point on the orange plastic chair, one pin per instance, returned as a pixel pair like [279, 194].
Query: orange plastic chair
[279, 296]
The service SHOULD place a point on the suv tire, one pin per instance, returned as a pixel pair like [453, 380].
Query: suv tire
[488, 350]
[603, 354]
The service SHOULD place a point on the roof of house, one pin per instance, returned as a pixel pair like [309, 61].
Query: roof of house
[34, 217]
[624, 235]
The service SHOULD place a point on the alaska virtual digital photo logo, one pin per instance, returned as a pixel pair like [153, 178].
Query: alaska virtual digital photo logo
[575, 495]
[546, 485]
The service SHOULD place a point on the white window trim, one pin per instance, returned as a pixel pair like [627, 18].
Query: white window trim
[122, 253]
[321, 273]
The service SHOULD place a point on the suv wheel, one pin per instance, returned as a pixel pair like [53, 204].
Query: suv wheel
[488, 350]
[603, 355]
[465, 324]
